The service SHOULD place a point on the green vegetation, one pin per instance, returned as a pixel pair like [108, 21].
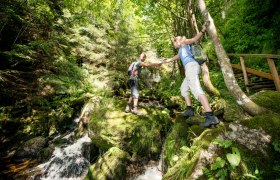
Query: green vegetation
[58, 55]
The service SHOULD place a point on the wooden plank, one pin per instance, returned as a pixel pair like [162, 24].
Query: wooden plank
[246, 80]
[274, 73]
[260, 86]
[267, 81]
[271, 56]
[260, 83]
[257, 90]
[253, 71]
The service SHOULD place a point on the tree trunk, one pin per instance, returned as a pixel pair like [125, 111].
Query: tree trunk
[207, 81]
[229, 78]
[204, 68]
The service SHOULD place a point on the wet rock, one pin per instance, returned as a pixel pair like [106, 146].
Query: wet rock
[31, 148]
[71, 161]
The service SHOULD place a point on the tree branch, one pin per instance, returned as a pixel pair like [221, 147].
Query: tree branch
[173, 12]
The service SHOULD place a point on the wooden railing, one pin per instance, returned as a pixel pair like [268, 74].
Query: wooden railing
[270, 60]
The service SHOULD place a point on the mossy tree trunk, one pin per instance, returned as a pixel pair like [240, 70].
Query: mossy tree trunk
[242, 99]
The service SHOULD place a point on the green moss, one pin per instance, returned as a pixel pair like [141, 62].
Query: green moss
[268, 99]
[233, 112]
[194, 139]
[270, 123]
[208, 135]
[252, 161]
[174, 141]
[134, 134]
[183, 168]
[109, 166]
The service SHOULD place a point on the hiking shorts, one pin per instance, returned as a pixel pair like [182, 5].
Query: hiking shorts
[191, 81]
[134, 87]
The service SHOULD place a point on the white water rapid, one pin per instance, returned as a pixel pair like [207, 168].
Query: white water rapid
[69, 162]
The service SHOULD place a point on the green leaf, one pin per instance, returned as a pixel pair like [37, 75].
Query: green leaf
[257, 171]
[223, 143]
[234, 158]
[165, 111]
[185, 148]
[222, 174]
[219, 163]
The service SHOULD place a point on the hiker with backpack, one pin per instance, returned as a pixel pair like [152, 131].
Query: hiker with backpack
[191, 81]
[134, 72]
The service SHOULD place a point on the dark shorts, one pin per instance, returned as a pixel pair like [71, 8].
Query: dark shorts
[134, 87]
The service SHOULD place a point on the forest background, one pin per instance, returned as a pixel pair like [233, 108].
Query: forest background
[48, 48]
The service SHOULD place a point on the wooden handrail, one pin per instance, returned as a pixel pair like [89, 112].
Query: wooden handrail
[276, 56]
[270, 60]
[254, 72]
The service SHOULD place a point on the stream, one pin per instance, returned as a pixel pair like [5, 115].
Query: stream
[71, 159]
[153, 171]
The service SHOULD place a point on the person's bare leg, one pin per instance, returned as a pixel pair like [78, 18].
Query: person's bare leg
[188, 101]
[129, 105]
[135, 102]
[204, 101]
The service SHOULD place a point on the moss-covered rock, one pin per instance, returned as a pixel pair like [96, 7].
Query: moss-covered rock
[174, 101]
[134, 134]
[268, 99]
[206, 153]
[270, 123]
[187, 157]
[174, 141]
[111, 165]
[233, 112]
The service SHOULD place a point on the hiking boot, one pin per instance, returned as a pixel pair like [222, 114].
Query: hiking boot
[210, 120]
[136, 112]
[189, 112]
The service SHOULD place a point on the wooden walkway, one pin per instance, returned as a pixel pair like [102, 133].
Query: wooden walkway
[246, 71]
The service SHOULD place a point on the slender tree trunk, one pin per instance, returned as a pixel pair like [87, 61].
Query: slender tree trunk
[207, 81]
[229, 78]
[204, 68]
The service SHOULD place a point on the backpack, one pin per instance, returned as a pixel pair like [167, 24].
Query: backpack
[198, 54]
[131, 70]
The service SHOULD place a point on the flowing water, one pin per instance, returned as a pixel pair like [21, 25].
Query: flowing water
[152, 172]
[71, 161]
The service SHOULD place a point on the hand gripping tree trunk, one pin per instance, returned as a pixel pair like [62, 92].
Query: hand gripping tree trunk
[205, 70]
[229, 78]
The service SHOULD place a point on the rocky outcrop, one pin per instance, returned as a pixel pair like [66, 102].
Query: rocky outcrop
[111, 165]
[31, 148]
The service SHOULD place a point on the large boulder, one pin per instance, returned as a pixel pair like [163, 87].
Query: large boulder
[132, 133]
[231, 151]
[111, 165]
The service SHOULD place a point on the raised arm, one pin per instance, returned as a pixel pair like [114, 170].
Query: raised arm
[196, 37]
